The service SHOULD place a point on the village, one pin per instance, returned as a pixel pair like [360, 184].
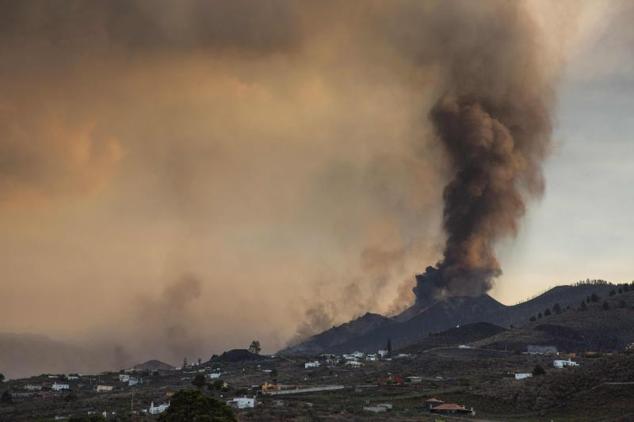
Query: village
[457, 381]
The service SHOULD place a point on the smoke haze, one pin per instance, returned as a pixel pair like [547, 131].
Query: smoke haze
[177, 178]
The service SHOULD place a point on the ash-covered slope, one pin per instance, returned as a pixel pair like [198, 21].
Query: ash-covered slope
[338, 338]
[371, 331]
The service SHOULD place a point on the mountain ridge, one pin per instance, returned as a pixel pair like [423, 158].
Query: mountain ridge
[417, 322]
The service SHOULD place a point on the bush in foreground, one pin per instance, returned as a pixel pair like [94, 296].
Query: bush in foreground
[194, 406]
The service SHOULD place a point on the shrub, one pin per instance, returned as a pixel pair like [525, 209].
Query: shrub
[538, 370]
[192, 405]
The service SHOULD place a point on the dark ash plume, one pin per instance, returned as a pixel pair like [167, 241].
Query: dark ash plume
[495, 127]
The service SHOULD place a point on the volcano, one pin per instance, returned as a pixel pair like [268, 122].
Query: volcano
[429, 315]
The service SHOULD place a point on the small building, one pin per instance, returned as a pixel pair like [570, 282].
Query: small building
[541, 350]
[523, 375]
[242, 402]
[378, 408]
[104, 388]
[452, 408]
[464, 346]
[560, 363]
[371, 357]
[33, 387]
[156, 410]
[383, 353]
[432, 402]
[313, 364]
[215, 375]
[124, 377]
[354, 363]
[58, 386]
[133, 381]
[414, 379]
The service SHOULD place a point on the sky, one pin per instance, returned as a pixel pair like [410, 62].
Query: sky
[180, 178]
[583, 226]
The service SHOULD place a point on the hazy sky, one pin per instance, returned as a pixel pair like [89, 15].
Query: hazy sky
[182, 179]
[583, 227]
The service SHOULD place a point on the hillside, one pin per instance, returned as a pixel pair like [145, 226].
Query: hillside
[341, 335]
[372, 331]
[574, 329]
[463, 334]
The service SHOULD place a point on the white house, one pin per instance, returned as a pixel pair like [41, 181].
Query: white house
[214, 375]
[57, 386]
[523, 375]
[354, 363]
[124, 377]
[33, 387]
[104, 388]
[371, 357]
[382, 353]
[560, 363]
[314, 364]
[155, 410]
[132, 381]
[242, 402]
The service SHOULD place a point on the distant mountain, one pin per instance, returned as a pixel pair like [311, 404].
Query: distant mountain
[605, 325]
[371, 331]
[30, 354]
[153, 365]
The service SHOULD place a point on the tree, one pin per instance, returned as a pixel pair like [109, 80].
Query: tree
[255, 347]
[199, 380]
[557, 308]
[547, 312]
[389, 347]
[1, 377]
[6, 397]
[594, 298]
[612, 292]
[539, 315]
[194, 406]
[620, 291]
[606, 306]
[538, 370]
[532, 319]
[622, 304]
[583, 307]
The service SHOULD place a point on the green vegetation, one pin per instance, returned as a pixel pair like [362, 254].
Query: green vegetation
[538, 370]
[194, 406]
[199, 381]
[255, 347]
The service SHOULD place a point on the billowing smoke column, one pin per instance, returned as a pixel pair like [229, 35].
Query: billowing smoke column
[494, 124]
